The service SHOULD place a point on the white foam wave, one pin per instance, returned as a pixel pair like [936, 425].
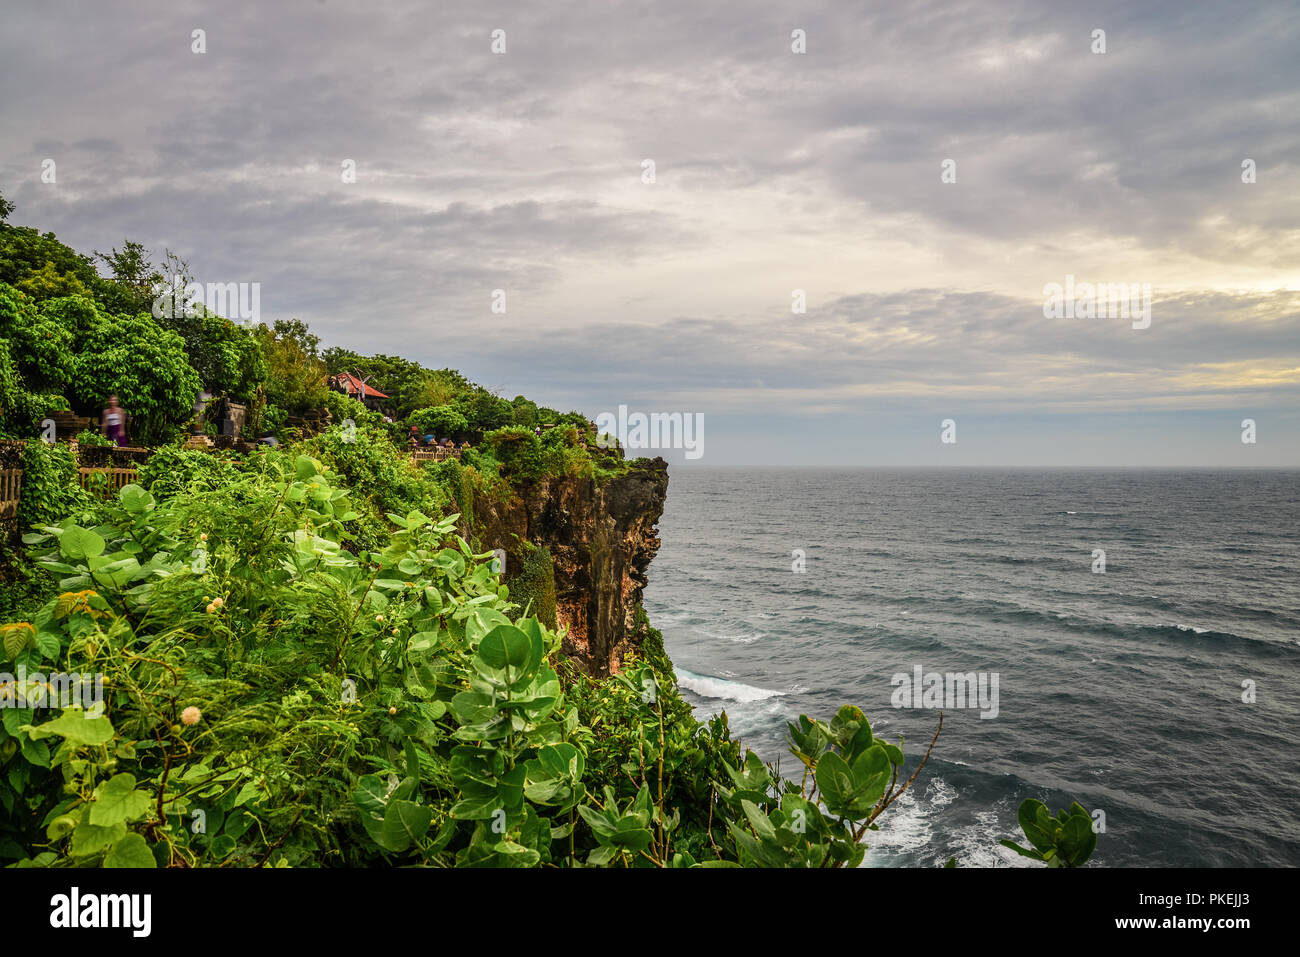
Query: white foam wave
[740, 638]
[707, 686]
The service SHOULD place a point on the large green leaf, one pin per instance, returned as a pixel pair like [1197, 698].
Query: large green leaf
[835, 781]
[17, 636]
[405, 822]
[506, 647]
[135, 499]
[91, 839]
[117, 800]
[76, 726]
[1035, 821]
[852, 732]
[77, 543]
[118, 573]
[131, 851]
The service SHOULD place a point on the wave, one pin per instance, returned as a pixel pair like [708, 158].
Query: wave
[740, 638]
[708, 686]
[1002, 611]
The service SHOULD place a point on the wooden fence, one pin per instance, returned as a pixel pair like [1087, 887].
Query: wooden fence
[116, 480]
[11, 488]
[434, 455]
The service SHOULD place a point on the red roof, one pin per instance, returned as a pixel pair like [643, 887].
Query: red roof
[353, 386]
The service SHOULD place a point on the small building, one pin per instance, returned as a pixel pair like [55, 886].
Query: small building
[355, 387]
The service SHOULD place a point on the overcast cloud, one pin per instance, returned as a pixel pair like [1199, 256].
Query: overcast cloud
[775, 171]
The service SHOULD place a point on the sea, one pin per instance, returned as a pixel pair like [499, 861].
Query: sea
[1143, 627]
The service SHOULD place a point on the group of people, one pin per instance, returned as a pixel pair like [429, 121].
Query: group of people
[417, 441]
[113, 426]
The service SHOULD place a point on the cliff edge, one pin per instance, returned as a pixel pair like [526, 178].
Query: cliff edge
[584, 544]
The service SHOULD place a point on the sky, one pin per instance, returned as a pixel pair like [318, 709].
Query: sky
[921, 172]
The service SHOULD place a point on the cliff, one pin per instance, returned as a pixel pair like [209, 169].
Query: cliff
[600, 538]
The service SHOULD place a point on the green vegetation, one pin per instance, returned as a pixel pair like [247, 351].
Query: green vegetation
[315, 705]
[440, 421]
[301, 657]
[533, 588]
[70, 337]
[1066, 840]
[50, 489]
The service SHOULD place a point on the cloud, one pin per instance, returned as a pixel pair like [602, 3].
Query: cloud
[774, 172]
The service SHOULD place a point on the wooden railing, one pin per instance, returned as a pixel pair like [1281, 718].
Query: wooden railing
[11, 488]
[434, 455]
[117, 479]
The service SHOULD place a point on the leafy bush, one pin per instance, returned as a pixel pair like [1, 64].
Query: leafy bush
[454, 480]
[518, 450]
[343, 407]
[308, 705]
[89, 438]
[440, 421]
[171, 471]
[50, 491]
[1066, 840]
[367, 460]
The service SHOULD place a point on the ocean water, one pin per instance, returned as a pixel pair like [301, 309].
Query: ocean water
[1120, 689]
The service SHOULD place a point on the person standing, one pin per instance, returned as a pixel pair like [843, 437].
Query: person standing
[113, 422]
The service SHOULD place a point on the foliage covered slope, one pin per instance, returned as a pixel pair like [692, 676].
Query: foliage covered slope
[288, 680]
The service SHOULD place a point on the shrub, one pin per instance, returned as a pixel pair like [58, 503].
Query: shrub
[367, 460]
[343, 407]
[440, 421]
[452, 477]
[89, 438]
[50, 490]
[171, 471]
[518, 450]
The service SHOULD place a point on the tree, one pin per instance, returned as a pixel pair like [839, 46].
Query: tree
[408, 385]
[20, 408]
[134, 273]
[485, 411]
[42, 267]
[6, 208]
[145, 366]
[525, 412]
[441, 421]
[296, 331]
[295, 374]
[41, 345]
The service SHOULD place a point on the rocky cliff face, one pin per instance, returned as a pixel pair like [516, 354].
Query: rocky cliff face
[601, 539]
